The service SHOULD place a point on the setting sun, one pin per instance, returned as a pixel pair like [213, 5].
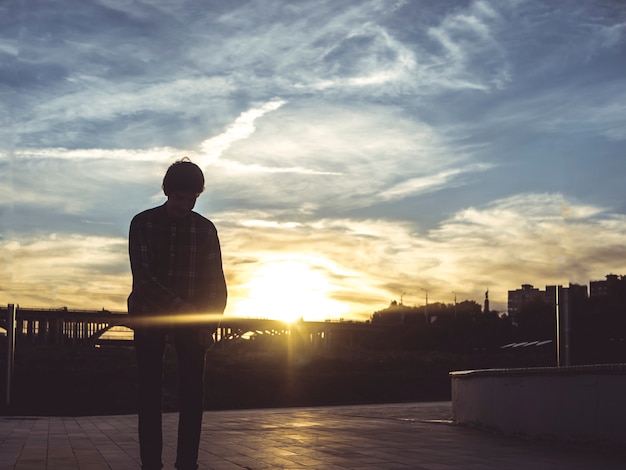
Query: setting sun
[289, 290]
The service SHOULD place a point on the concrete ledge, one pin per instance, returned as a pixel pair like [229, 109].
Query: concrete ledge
[579, 403]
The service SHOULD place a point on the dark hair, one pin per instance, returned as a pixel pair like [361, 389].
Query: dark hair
[183, 175]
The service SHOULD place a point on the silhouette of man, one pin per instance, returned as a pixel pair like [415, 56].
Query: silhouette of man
[176, 263]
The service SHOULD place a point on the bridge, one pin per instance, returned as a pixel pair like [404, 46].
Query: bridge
[74, 327]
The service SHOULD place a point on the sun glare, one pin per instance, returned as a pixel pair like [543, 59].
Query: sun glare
[289, 290]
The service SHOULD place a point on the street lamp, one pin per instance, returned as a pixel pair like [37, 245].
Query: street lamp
[454, 305]
[426, 307]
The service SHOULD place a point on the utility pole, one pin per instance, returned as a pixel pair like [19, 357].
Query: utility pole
[558, 328]
[562, 326]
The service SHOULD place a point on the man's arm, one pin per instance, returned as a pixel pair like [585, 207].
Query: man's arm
[216, 282]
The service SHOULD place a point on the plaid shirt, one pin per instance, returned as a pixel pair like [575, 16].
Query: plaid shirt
[175, 261]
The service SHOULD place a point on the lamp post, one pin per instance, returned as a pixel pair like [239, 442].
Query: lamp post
[426, 307]
[454, 305]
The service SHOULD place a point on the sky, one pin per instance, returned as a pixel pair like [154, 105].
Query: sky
[355, 152]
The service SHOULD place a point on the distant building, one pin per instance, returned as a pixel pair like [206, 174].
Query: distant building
[609, 287]
[574, 292]
[529, 294]
[519, 297]
[577, 291]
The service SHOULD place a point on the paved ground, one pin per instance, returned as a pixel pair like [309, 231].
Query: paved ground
[398, 436]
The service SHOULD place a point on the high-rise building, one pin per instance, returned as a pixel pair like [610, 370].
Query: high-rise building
[609, 287]
[519, 297]
[528, 294]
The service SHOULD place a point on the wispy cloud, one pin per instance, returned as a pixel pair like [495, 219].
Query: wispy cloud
[421, 184]
[345, 158]
[472, 57]
[241, 129]
[76, 271]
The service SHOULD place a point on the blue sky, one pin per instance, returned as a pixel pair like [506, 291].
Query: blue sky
[355, 151]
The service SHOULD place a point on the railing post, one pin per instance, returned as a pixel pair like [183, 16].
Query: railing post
[10, 350]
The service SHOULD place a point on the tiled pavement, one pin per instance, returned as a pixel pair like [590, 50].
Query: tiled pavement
[368, 437]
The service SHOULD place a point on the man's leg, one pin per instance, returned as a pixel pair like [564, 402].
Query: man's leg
[191, 350]
[150, 347]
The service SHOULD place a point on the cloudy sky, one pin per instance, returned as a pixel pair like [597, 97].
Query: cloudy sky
[356, 152]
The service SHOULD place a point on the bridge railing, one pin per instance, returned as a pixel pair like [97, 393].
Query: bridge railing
[65, 326]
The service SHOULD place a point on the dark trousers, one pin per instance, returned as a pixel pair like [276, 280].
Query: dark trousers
[190, 350]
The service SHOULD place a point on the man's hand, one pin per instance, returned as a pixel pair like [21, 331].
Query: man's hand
[205, 336]
[203, 331]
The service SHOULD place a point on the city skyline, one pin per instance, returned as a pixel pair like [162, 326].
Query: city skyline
[588, 289]
[354, 153]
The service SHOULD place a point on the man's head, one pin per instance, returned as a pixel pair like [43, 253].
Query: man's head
[183, 175]
[182, 184]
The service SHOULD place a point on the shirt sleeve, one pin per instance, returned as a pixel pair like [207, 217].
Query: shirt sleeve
[148, 295]
[218, 293]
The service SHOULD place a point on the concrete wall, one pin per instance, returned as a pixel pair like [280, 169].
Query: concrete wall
[571, 403]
